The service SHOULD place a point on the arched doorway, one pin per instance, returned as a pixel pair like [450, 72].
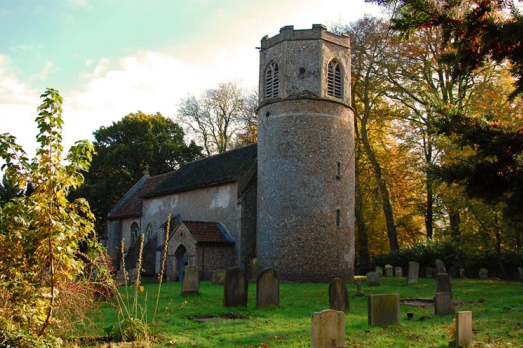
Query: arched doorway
[182, 259]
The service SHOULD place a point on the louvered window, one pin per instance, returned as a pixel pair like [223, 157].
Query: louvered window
[272, 81]
[334, 80]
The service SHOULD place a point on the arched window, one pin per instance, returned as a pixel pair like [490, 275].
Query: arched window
[148, 233]
[334, 80]
[272, 81]
[135, 230]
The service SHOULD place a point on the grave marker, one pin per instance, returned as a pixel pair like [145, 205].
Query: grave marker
[429, 273]
[267, 289]
[388, 271]
[383, 310]
[443, 283]
[254, 270]
[453, 272]
[373, 279]
[461, 271]
[379, 270]
[218, 277]
[191, 281]
[483, 274]
[338, 296]
[235, 289]
[464, 329]
[358, 283]
[440, 266]
[412, 277]
[328, 329]
[443, 304]
[398, 272]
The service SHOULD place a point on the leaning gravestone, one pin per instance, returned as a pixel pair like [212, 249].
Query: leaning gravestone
[483, 274]
[359, 293]
[464, 329]
[398, 272]
[191, 281]
[235, 288]
[338, 296]
[388, 271]
[328, 329]
[461, 271]
[383, 310]
[254, 270]
[412, 277]
[453, 272]
[520, 270]
[440, 266]
[120, 278]
[443, 304]
[218, 277]
[133, 275]
[373, 279]
[379, 270]
[429, 272]
[267, 289]
[443, 283]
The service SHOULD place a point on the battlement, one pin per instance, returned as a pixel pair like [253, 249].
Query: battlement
[318, 32]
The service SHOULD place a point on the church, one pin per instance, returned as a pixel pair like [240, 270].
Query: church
[287, 201]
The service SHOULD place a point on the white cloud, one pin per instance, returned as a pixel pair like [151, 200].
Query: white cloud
[88, 62]
[48, 67]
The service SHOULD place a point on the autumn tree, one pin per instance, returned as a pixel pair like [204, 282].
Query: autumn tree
[218, 115]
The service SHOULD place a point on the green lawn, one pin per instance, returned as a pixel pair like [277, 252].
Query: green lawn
[497, 308]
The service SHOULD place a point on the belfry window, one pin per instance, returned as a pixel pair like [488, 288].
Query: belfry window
[334, 80]
[272, 81]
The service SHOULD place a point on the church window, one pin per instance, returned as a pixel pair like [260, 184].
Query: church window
[135, 231]
[334, 79]
[272, 81]
[337, 218]
[148, 233]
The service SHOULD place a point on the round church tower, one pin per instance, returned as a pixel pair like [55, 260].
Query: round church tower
[305, 222]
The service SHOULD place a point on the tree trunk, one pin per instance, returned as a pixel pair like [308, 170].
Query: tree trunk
[454, 223]
[382, 185]
[430, 208]
[363, 239]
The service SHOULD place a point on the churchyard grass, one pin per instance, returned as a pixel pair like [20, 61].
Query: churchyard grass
[497, 308]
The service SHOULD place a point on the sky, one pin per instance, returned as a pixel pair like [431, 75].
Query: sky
[108, 58]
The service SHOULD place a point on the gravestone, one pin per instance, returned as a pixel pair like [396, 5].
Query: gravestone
[483, 274]
[461, 271]
[520, 270]
[464, 329]
[429, 273]
[379, 270]
[358, 283]
[338, 296]
[453, 272]
[373, 279]
[120, 278]
[235, 289]
[254, 270]
[218, 277]
[328, 329]
[440, 266]
[412, 277]
[443, 304]
[191, 281]
[398, 272]
[133, 275]
[267, 289]
[388, 271]
[443, 283]
[383, 310]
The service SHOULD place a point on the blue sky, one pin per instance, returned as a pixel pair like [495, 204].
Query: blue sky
[112, 57]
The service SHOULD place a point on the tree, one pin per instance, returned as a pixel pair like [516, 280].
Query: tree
[127, 149]
[41, 232]
[248, 132]
[216, 117]
[8, 191]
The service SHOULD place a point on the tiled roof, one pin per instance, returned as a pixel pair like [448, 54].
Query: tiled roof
[131, 204]
[225, 167]
[208, 232]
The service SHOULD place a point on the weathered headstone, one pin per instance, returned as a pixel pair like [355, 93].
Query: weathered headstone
[383, 310]
[235, 288]
[443, 283]
[191, 281]
[443, 304]
[379, 270]
[388, 271]
[218, 277]
[133, 275]
[373, 279]
[254, 270]
[453, 272]
[520, 270]
[358, 283]
[267, 289]
[461, 271]
[120, 278]
[483, 273]
[328, 329]
[338, 296]
[398, 272]
[464, 329]
[412, 277]
[440, 266]
[429, 272]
